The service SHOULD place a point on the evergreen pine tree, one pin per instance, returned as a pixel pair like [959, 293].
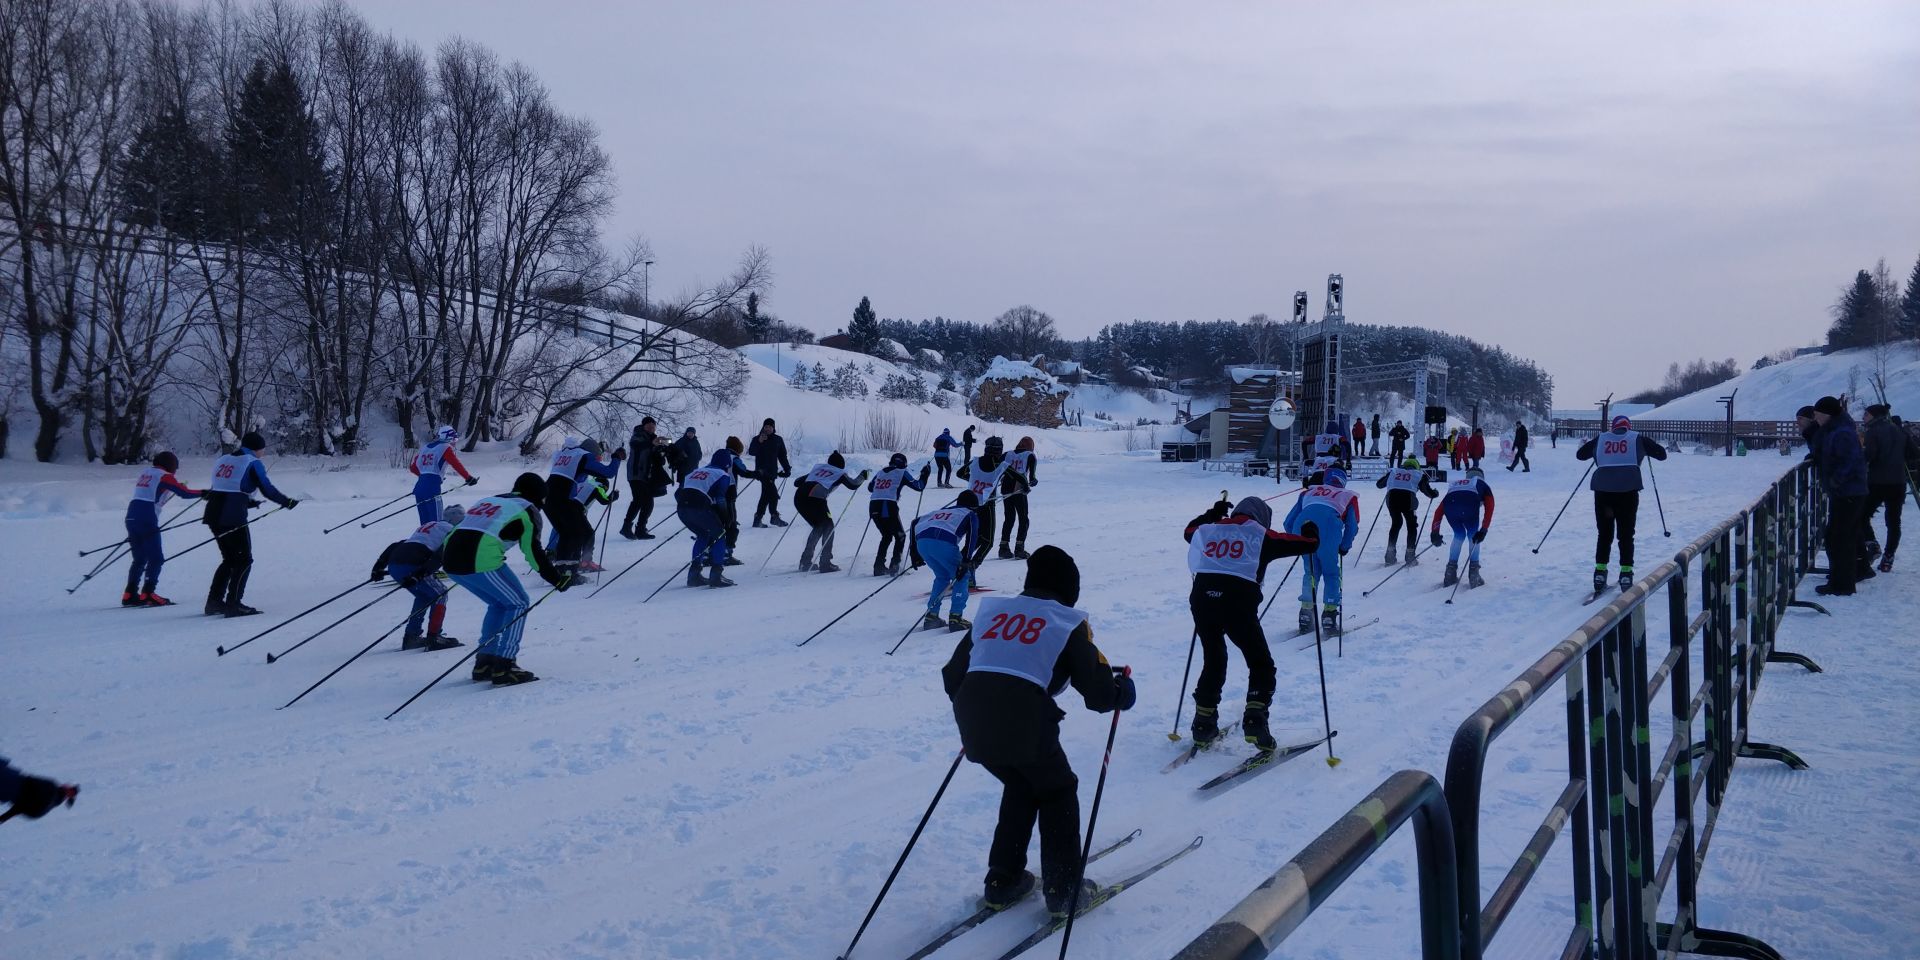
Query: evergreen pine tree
[756, 322]
[1909, 318]
[1856, 317]
[863, 333]
[278, 184]
[166, 173]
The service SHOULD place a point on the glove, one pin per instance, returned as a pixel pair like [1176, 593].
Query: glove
[1124, 693]
[472, 480]
[1219, 511]
[786, 473]
[37, 795]
[292, 503]
[620, 454]
[411, 582]
[613, 497]
[1343, 551]
[377, 576]
[1436, 540]
[1479, 536]
[253, 504]
[925, 472]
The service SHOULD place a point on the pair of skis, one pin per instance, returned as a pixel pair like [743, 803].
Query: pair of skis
[1052, 925]
[1263, 760]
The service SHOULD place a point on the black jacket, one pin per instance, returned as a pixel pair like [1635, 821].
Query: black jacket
[424, 559]
[1277, 544]
[689, 450]
[1519, 436]
[769, 457]
[1887, 452]
[1399, 432]
[1004, 719]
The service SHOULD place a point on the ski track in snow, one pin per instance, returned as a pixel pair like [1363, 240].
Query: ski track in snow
[683, 782]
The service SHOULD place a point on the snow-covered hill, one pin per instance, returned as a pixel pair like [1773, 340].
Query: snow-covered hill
[1775, 392]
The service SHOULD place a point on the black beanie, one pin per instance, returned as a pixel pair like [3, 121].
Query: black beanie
[531, 488]
[1829, 406]
[834, 459]
[165, 460]
[768, 422]
[1050, 570]
[1806, 412]
[253, 441]
[967, 499]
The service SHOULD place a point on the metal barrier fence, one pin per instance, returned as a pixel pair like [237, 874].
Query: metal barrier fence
[1756, 434]
[1748, 567]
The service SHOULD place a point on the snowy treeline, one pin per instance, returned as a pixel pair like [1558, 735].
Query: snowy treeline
[274, 218]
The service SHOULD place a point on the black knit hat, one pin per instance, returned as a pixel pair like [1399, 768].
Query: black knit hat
[253, 441]
[1879, 410]
[966, 499]
[1804, 413]
[1829, 406]
[834, 459]
[532, 489]
[165, 460]
[1050, 570]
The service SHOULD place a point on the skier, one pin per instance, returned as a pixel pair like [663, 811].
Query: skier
[1520, 449]
[575, 460]
[31, 797]
[1476, 448]
[1887, 452]
[1318, 469]
[475, 556]
[228, 498]
[769, 465]
[703, 502]
[412, 563]
[731, 518]
[647, 477]
[1616, 457]
[943, 456]
[1431, 448]
[1021, 463]
[1401, 483]
[1841, 464]
[966, 443]
[883, 506]
[1330, 442]
[430, 466]
[1228, 556]
[1323, 509]
[157, 484]
[944, 541]
[587, 491]
[1002, 695]
[1374, 429]
[988, 478]
[810, 500]
[1467, 497]
[1399, 435]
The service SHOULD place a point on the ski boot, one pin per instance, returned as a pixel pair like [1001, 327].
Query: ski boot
[1330, 620]
[1886, 562]
[694, 579]
[776, 521]
[506, 673]
[1413, 556]
[1020, 550]
[806, 564]
[483, 667]
[413, 641]
[759, 524]
[1626, 578]
[1206, 725]
[1393, 557]
[588, 566]
[1080, 892]
[151, 599]
[897, 567]
[1306, 616]
[827, 566]
[240, 610]
[1002, 893]
[716, 580]
[128, 598]
[879, 569]
[1006, 552]
[1254, 724]
[932, 621]
[1599, 579]
[957, 623]
[732, 561]
[440, 641]
[214, 608]
[1473, 575]
[1872, 547]
[1452, 575]
[626, 533]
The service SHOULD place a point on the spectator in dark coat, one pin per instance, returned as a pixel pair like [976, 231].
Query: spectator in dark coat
[647, 477]
[1842, 465]
[769, 454]
[1888, 448]
[1399, 434]
[1520, 449]
[1374, 428]
[688, 450]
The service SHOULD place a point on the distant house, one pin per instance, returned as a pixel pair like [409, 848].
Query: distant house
[1072, 371]
[838, 341]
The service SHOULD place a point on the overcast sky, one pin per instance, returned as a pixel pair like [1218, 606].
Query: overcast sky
[1603, 189]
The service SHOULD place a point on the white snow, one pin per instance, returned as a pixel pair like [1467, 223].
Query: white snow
[1004, 369]
[1775, 392]
[684, 782]
[1242, 374]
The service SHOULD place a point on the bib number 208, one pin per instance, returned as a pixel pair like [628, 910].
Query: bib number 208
[1015, 626]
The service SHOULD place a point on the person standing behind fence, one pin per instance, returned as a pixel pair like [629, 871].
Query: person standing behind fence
[1616, 486]
[769, 454]
[1520, 449]
[1887, 452]
[1842, 466]
[151, 491]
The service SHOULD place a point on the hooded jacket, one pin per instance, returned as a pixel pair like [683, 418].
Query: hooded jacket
[1886, 452]
[1841, 460]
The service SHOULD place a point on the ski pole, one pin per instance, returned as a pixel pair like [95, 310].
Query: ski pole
[937, 794]
[605, 516]
[1376, 522]
[396, 513]
[1326, 714]
[222, 533]
[1093, 817]
[104, 563]
[1174, 734]
[377, 509]
[1413, 554]
[1277, 587]
[1656, 500]
[870, 596]
[663, 585]
[609, 581]
[1563, 509]
[363, 652]
[223, 651]
[916, 622]
[855, 562]
[783, 530]
[276, 657]
[476, 649]
[172, 522]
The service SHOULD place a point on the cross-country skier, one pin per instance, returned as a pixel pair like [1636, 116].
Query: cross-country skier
[157, 484]
[1401, 483]
[1616, 485]
[1330, 513]
[228, 498]
[770, 464]
[943, 456]
[1002, 680]
[944, 541]
[989, 479]
[430, 465]
[1468, 508]
[1520, 449]
[647, 476]
[883, 506]
[1317, 470]
[1329, 442]
[588, 491]
[732, 517]
[703, 502]
[1228, 556]
[1021, 463]
[575, 460]
[411, 563]
[810, 501]
[475, 556]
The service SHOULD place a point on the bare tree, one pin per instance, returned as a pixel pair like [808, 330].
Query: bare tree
[1027, 331]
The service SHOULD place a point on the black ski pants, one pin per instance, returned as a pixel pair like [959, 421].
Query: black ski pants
[236, 562]
[640, 510]
[819, 518]
[1044, 791]
[1893, 496]
[1405, 508]
[769, 502]
[1614, 515]
[943, 467]
[986, 516]
[1228, 608]
[1520, 460]
[570, 522]
[1845, 558]
[1016, 511]
[886, 519]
